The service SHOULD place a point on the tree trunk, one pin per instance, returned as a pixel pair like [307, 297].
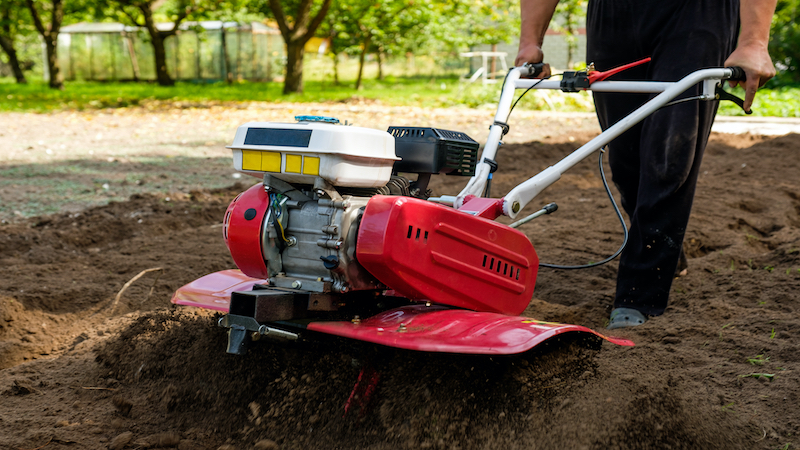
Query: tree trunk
[380, 65]
[50, 36]
[227, 75]
[51, 48]
[571, 44]
[160, 54]
[493, 70]
[361, 60]
[157, 40]
[13, 61]
[335, 67]
[294, 67]
[295, 38]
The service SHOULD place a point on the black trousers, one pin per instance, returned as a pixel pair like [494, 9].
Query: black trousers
[656, 163]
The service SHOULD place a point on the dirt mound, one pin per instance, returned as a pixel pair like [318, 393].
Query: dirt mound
[295, 394]
[85, 361]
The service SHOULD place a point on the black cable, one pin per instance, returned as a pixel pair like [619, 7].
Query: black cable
[683, 100]
[621, 221]
[608, 192]
[523, 94]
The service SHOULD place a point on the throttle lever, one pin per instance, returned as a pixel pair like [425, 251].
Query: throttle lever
[600, 76]
[722, 94]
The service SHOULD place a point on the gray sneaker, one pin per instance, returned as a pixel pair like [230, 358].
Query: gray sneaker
[625, 317]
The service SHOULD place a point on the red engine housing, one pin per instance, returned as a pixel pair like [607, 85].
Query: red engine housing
[432, 252]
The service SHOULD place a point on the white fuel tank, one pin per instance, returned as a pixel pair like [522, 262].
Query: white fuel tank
[300, 152]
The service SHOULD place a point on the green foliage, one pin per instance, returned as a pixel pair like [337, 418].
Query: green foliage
[14, 18]
[784, 44]
[414, 27]
[461, 24]
[567, 18]
[391, 27]
[783, 101]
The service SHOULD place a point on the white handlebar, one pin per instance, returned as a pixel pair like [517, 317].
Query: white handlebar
[521, 195]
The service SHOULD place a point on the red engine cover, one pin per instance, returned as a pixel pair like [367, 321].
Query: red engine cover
[242, 230]
[424, 250]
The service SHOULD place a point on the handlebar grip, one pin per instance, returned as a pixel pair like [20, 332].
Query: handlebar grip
[737, 74]
[533, 69]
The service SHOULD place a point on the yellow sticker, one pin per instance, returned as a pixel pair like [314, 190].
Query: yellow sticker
[251, 160]
[294, 163]
[270, 162]
[311, 165]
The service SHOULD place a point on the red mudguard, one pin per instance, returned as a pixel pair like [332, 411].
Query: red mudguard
[419, 327]
[424, 250]
[214, 290]
[439, 329]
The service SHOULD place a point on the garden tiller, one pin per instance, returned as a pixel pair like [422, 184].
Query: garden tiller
[340, 236]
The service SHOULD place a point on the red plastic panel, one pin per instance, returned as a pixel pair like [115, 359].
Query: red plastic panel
[488, 208]
[428, 251]
[242, 230]
[214, 290]
[437, 329]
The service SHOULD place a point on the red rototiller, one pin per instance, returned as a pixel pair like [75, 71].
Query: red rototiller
[341, 238]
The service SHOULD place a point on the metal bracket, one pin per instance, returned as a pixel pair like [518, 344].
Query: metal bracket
[573, 81]
[239, 326]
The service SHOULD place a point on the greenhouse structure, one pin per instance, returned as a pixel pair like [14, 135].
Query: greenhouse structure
[199, 52]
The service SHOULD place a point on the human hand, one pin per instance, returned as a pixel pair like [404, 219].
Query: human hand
[532, 53]
[757, 66]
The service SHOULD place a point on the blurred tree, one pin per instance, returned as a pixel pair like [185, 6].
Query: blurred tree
[10, 23]
[141, 13]
[329, 30]
[568, 16]
[366, 27]
[49, 33]
[784, 44]
[398, 27]
[298, 21]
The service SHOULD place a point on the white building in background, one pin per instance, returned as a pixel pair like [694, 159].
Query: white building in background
[555, 47]
[200, 51]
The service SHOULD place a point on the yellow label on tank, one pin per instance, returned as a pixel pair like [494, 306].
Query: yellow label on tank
[251, 160]
[311, 165]
[294, 163]
[270, 161]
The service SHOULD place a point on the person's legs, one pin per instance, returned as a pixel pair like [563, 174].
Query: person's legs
[656, 164]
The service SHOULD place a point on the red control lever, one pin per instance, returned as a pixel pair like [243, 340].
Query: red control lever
[600, 76]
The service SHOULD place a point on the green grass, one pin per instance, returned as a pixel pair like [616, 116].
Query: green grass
[758, 360]
[37, 97]
[425, 89]
[443, 91]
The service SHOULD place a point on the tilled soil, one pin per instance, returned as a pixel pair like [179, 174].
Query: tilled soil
[92, 357]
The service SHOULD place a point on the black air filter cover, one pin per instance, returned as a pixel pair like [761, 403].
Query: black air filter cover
[431, 150]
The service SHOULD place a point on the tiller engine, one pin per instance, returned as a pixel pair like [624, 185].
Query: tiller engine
[341, 236]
